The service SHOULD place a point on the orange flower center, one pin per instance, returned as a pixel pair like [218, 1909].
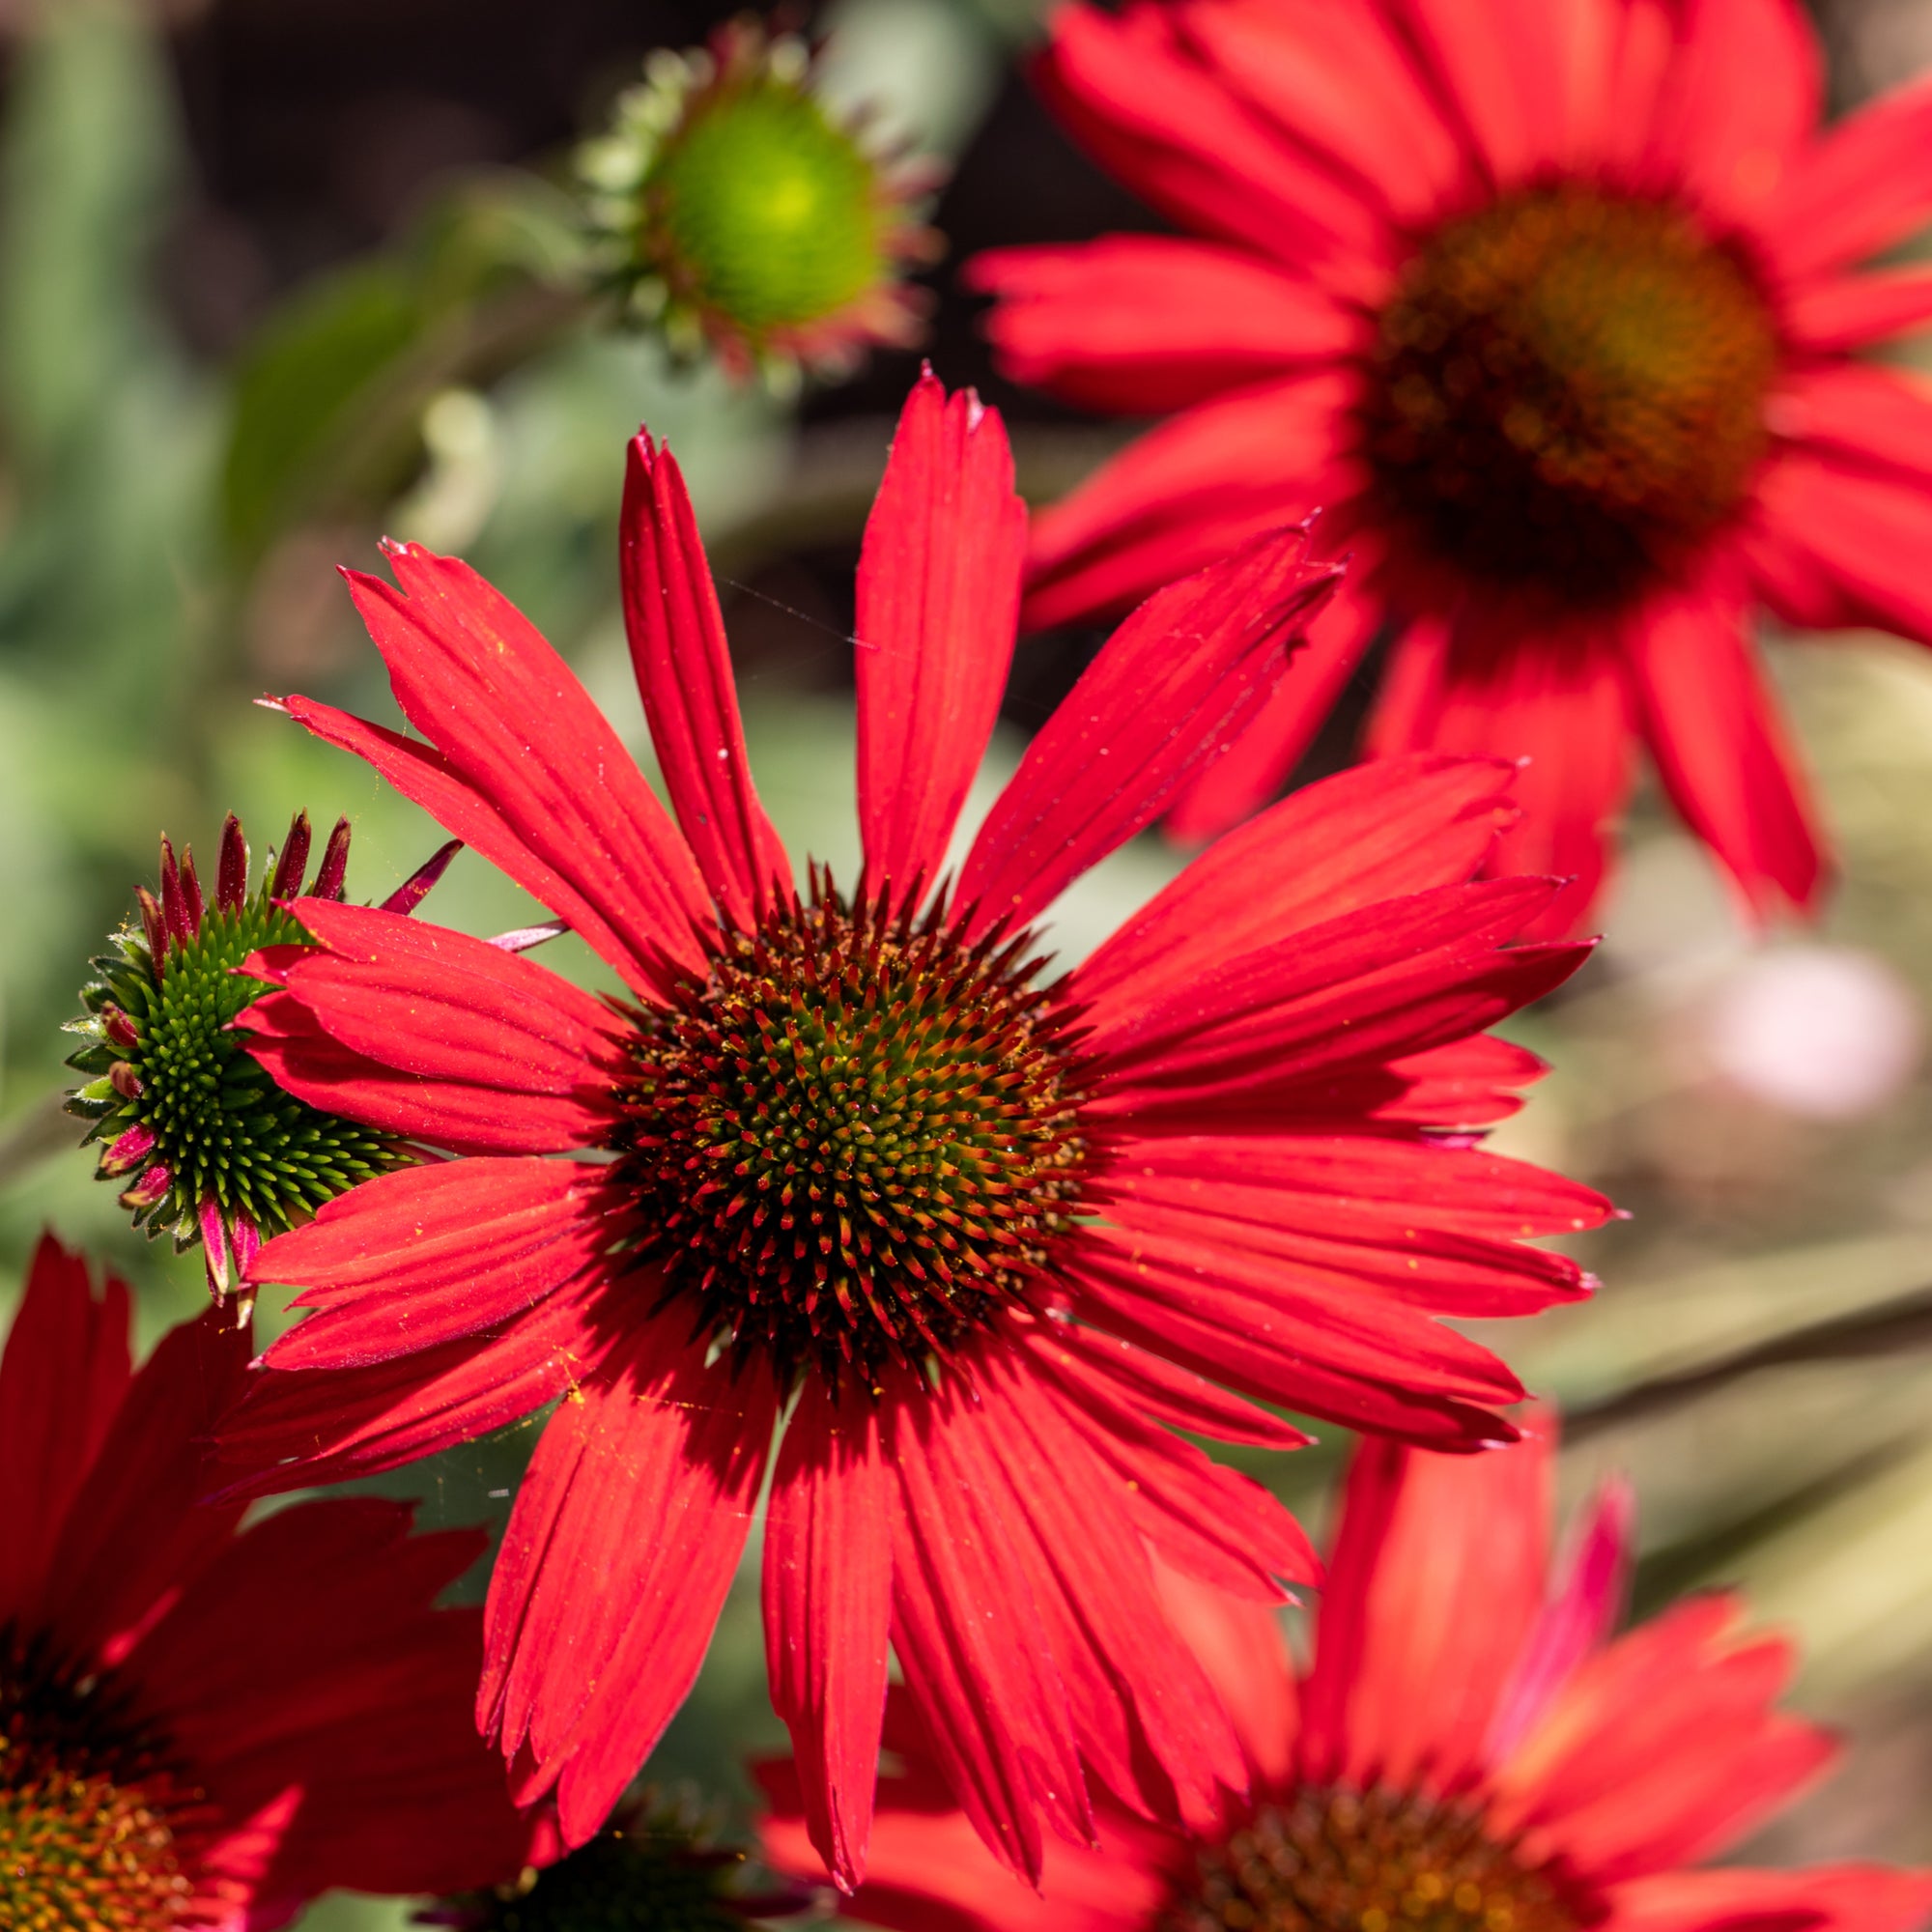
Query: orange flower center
[93, 1821]
[1339, 1861]
[1567, 393]
[854, 1141]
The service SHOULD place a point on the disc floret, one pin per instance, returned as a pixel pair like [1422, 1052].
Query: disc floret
[1321, 1858]
[202, 1141]
[855, 1139]
[733, 206]
[1567, 393]
[94, 1818]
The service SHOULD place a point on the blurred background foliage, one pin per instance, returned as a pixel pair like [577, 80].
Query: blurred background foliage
[277, 277]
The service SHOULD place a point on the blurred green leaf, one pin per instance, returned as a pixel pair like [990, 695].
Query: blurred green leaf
[328, 399]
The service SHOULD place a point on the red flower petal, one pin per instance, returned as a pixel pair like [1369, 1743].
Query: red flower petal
[1147, 322]
[1152, 117]
[1373, 833]
[684, 672]
[1210, 1523]
[1180, 678]
[1393, 978]
[828, 1604]
[1736, 145]
[1338, 84]
[1190, 492]
[500, 1053]
[133, 1534]
[969, 1636]
[423, 774]
[1243, 1649]
[369, 1724]
[292, 1430]
[1436, 1577]
[63, 1377]
[1830, 317]
[939, 579]
[1149, 1722]
[1561, 704]
[1826, 1898]
[472, 675]
[1256, 767]
[1580, 1617]
[1717, 733]
[1663, 1749]
[1839, 546]
[622, 1544]
[429, 1255]
[1865, 184]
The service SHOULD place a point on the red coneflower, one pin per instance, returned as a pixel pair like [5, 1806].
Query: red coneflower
[1562, 327]
[200, 1727]
[1469, 1751]
[979, 1234]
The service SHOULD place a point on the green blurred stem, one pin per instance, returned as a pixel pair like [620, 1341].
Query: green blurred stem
[1892, 1327]
[45, 1129]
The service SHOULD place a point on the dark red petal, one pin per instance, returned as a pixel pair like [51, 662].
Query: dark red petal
[1865, 184]
[429, 1255]
[827, 1605]
[1717, 731]
[231, 878]
[292, 860]
[292, 1430]
[473, 675]
[977, 1659]
[1434, 1586]
[621, 1547]
[1375, 832]
[939, 584]
[420, 882]
[310, 1655]
[1180, 679]
[332, 875]
[134, 1531]
[63, 1377]
[683, 667]
[1145, 324]
[498, 1051]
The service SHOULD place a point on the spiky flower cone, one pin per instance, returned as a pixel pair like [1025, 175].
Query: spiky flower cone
[735, 208]
[203, 1142]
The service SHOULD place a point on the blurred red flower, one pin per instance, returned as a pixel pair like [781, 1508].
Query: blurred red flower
[1561, 328]
[851, 1150]
[1469, 1751]
[201, 1727]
